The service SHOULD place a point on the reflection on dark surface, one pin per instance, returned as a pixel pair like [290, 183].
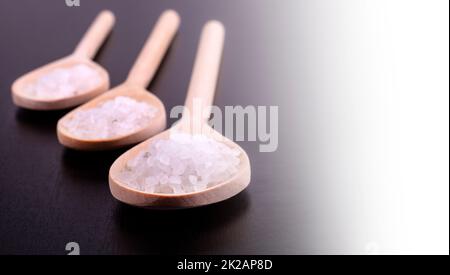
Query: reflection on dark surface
[145, 230]
[89, 165]
[41, 121]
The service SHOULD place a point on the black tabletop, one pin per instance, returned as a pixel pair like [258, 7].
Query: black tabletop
[50, 195]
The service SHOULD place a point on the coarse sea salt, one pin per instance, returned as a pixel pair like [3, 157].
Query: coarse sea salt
[64, 82]
[181, 164]
[116, 117]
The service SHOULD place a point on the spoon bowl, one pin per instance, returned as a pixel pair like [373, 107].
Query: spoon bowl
[219, 192]
[83, 54]
[157, 124]
[24, 100]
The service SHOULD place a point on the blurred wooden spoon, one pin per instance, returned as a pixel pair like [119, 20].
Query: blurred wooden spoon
[134, 86]
[83, 54]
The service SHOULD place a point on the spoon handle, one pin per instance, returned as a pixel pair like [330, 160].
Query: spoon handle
[202, 87]
[154, 49]
[96, 34]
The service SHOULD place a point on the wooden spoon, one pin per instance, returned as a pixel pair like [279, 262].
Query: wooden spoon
[134, 86]
[201, 91]
[83, 54]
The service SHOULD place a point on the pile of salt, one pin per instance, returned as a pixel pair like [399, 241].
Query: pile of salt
[181, 164]
[64, 82]
[113, 118]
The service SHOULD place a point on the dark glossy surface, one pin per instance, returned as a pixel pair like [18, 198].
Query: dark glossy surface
[50, 195]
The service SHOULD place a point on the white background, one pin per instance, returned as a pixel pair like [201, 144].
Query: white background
[393, 79]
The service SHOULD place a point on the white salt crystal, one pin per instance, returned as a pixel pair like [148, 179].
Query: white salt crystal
[64, 82]
[181, 164]
[163, 179]
[115, 117]
[192, 179]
